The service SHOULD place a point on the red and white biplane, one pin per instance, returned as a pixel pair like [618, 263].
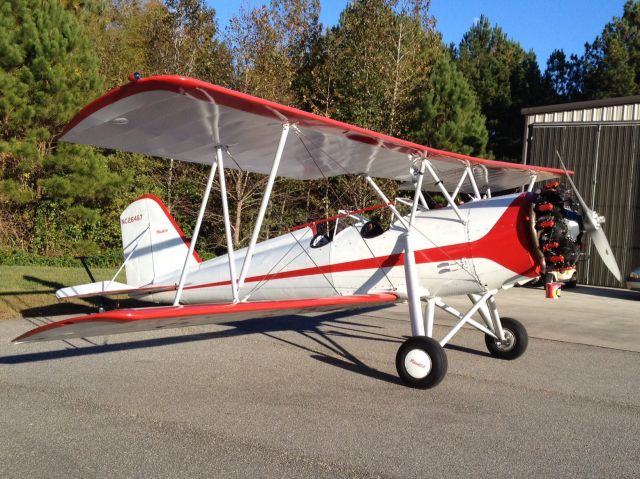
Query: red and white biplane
[476, 249]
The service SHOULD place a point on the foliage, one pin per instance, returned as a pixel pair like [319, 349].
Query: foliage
[448, 114]
[505, 78]
[382, 67]
[373, 63]
[564, 76]
[48, 71]
[368, 71]
[102, 259]
[609, 67]
[177, 37]
[612, 61]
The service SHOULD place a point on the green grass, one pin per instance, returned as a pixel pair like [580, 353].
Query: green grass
[30, 290]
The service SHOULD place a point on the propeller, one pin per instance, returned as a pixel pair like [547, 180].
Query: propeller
[592, 225]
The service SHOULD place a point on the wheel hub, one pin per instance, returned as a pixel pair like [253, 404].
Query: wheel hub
[508, 343]
[417, 363]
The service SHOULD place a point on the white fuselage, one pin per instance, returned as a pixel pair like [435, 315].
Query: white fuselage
[489, 251]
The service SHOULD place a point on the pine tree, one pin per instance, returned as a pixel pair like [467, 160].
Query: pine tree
[505, 78]
[47, 73]
[612, 62]
[448, 115]
[564, 76]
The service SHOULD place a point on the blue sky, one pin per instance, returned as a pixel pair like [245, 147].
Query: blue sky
[539, 25]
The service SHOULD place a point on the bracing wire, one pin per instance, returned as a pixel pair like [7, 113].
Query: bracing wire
[300, 135]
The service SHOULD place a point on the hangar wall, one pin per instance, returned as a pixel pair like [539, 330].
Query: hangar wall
[600, 141]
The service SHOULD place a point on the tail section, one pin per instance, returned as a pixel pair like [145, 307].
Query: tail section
[158, 244]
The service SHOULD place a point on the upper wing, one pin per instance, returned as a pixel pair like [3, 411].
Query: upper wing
[185, 119]
[161, 317]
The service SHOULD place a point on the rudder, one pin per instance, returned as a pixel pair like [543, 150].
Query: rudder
[160, 245]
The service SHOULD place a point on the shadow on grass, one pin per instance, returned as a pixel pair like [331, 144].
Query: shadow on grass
[326, 347]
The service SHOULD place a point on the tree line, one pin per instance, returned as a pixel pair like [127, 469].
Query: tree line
[383, 66]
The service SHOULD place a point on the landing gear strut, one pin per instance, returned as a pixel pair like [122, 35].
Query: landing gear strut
[422, 363]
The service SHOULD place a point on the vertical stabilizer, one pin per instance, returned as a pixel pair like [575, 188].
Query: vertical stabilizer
[158, 244]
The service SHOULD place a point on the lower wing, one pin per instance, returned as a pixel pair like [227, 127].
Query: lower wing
[162, 317]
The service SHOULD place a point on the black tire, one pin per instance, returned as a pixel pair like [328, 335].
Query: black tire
[517, 337]
[436, 355]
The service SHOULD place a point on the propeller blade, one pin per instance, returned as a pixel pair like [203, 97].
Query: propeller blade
[604, 250]
[583, 203]
[592, 222]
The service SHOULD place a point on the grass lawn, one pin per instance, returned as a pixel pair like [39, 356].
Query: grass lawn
[30, 290]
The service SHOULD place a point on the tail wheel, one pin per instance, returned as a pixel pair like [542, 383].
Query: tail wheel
[514, 344]
[421, 362]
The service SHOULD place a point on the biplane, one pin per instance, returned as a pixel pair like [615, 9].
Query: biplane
[476, 248]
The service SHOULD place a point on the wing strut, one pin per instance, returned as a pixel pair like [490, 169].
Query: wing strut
[443, 190]
[196, 230]
[389, 204]
[263, 206]
[460, 182]
[227, 228]
[416, 196]
[474, 183]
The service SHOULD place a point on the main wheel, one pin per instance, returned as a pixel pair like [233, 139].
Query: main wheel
[515, 343]
[421, 362]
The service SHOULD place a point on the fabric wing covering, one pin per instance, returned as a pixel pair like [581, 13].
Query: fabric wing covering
[185, 119]
[164, 317]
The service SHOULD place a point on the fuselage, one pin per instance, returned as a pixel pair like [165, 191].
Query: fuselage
[493, 249]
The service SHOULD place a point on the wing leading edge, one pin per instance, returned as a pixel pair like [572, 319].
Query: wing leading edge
[186, 119]
[164, 317]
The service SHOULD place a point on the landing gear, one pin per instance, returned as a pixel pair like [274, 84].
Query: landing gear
[572, 283]
[514, 344]
[421, 362]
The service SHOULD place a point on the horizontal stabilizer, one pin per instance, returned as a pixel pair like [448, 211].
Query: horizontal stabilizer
[108, 288]
[161, 317]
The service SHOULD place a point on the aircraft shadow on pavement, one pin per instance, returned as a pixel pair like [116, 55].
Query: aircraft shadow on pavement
[602, 292]
[613, 293]
[327, 348]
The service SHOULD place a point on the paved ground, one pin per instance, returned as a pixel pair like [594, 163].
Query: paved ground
[318, 397]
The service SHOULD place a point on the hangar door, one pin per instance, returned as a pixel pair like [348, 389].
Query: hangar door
[606, 161]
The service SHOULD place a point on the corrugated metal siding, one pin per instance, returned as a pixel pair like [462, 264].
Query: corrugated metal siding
[616, 196]
[615, 113]
[607, 164]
